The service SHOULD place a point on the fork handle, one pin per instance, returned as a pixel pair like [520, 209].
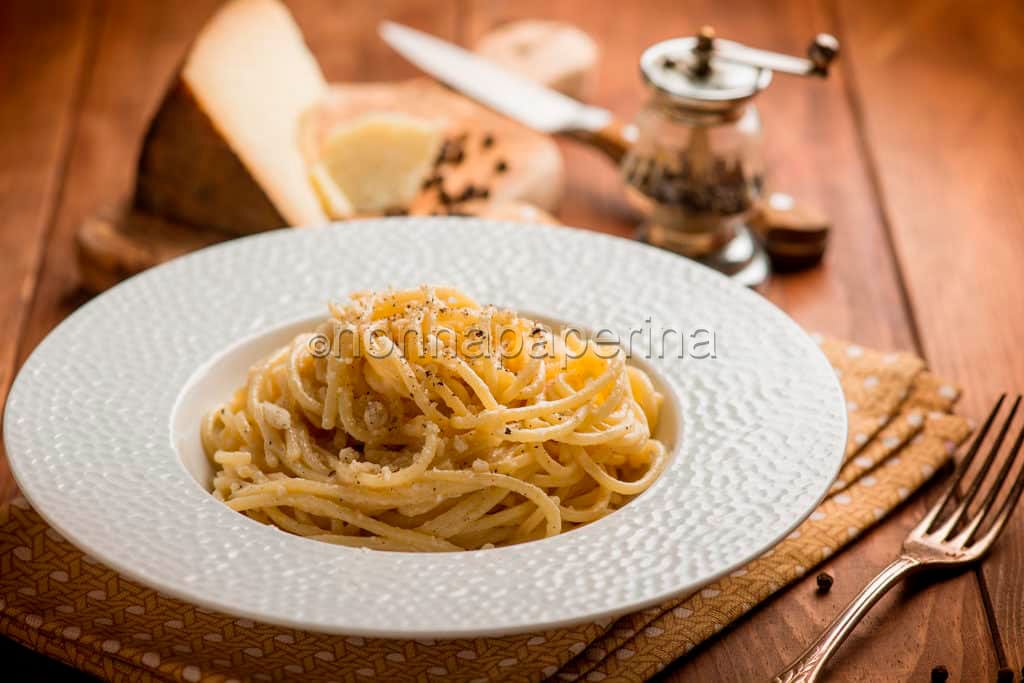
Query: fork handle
[809, 664]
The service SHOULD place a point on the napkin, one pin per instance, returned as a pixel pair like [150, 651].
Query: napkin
[61, 602]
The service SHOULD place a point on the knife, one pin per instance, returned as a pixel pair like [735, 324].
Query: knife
[509, 93]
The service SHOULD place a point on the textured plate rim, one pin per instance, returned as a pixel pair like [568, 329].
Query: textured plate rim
[204, 600]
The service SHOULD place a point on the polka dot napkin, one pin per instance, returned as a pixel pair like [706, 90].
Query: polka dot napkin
[62, 603]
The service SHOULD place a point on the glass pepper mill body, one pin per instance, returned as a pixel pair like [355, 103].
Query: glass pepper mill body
[696, 170]
[696, 175]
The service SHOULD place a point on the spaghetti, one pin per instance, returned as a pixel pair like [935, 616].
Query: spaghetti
[419, 420]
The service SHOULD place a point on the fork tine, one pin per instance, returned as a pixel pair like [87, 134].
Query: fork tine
[979, 478]
[1004, 472]
[924, 526]
[999, 523]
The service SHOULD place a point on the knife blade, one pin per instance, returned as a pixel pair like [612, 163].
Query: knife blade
[506, 92]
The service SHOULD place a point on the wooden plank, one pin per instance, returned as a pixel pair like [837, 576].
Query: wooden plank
[114, 117]
[41, 66]
[836, 299]
[594, 197]
[919, 625]
[941, 86]
[810, 117]
[813, 152]
[123, 91]
[343, 35]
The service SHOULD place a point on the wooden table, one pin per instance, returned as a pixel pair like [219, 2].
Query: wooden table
[913, 146]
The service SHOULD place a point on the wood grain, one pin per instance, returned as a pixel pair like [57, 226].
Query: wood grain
[40, 69]
[930, 117]
[343, 35]
[941, 89]
[813, 152]
[111, 120]
[594, 196]
[115, 244]
[917, 626]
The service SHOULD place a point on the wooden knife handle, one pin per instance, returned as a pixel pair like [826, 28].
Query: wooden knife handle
[614, 139]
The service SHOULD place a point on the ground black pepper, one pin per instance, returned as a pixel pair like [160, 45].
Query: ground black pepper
[451, 152]
[488, 140]
[501, 166]
[722, 189]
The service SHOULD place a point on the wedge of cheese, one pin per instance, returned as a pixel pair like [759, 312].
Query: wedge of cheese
[222, 151]
[376, 163]
[532, 167]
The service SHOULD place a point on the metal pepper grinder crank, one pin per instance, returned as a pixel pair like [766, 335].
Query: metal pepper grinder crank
[696, 168]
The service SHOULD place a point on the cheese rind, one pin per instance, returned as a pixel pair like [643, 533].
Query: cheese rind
[223, 150]
[189, 174]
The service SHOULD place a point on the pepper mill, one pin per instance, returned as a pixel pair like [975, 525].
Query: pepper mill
[696, 169]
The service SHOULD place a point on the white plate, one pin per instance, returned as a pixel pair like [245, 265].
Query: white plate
[94, 416]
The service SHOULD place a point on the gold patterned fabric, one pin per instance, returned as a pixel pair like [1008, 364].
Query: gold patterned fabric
[64, 604]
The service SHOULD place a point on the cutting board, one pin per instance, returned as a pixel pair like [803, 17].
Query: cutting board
[531, 165]
[491, 166]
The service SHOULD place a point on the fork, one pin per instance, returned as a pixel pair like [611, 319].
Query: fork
[937, 541]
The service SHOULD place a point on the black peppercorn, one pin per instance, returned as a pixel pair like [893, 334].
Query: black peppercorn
[442, 154]
[451, 152]
[824, 583]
